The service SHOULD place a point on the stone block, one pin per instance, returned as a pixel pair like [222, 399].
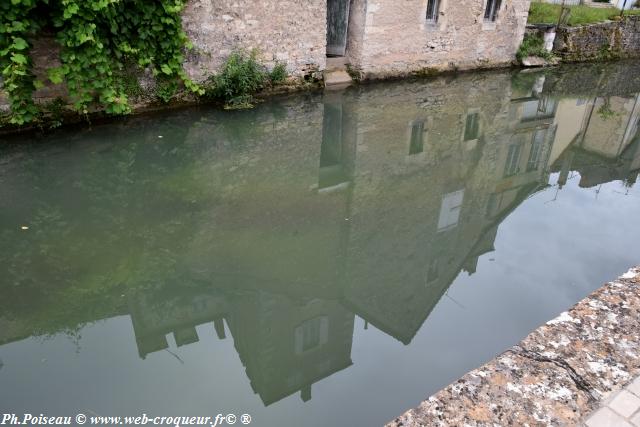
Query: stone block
[605, 417]
[625, 403]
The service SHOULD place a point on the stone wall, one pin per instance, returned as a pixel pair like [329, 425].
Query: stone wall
[289, 31]
[396, 39]
[613, 39]
[556, 376]
[386, 38]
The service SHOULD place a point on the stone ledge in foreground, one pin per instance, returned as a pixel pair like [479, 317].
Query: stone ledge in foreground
[556, 376]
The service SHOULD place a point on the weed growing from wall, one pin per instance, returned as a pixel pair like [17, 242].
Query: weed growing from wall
[241, 76]
[532, 45]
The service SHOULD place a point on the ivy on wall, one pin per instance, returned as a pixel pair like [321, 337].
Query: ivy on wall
[100, 41]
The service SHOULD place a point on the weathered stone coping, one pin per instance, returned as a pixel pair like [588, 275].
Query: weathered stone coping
[556, 376]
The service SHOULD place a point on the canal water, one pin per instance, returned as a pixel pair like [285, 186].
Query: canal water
[323, 259]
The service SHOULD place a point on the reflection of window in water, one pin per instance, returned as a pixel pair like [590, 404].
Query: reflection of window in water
[538, 109]
[472, 126]
[511, 166]
[311, 334]
[536, 149]
[432, 11]
[450, 210]
[416, 143]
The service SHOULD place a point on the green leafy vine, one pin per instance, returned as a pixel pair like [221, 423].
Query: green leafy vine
[99, 40]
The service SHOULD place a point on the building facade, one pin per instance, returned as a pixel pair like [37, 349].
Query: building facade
[378, 38]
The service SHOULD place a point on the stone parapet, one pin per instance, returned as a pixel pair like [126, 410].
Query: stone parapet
[556, 376]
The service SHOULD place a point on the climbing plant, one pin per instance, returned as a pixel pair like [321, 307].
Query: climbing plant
[100, 41]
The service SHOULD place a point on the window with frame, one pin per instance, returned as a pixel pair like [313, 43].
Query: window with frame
[491, 11]
[433, 8]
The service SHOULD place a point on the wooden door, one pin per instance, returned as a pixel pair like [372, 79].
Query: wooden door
[337, 26]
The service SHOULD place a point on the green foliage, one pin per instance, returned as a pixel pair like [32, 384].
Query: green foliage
[522, 83]
[15, 61]
[241, 76]
[97, 39]
[166, 88]
[547, 13]
[279, 73]
[55, 110]
[532, 45]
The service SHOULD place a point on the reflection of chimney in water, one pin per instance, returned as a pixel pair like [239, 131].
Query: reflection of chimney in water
[218, 324]
[305, 393]
[566, 168]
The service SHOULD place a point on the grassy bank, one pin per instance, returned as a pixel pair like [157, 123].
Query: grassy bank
[545, 13]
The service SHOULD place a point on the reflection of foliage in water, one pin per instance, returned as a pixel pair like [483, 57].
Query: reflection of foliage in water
[523, 82]
[605, 111]
[72, 266]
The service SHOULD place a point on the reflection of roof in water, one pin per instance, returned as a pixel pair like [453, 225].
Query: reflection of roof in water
[596, 169]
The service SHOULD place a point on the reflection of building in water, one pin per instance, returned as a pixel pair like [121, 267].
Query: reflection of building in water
[604, 147]
[286, 345]
[410, 190]
[368, 204]
[405, 193]
[436, 172]
[155, 316]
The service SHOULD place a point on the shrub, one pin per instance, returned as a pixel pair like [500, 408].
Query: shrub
[532, 45]
[279, 73]
[243, 75]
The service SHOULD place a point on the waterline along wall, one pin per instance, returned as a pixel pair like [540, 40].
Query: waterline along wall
[378, 38]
